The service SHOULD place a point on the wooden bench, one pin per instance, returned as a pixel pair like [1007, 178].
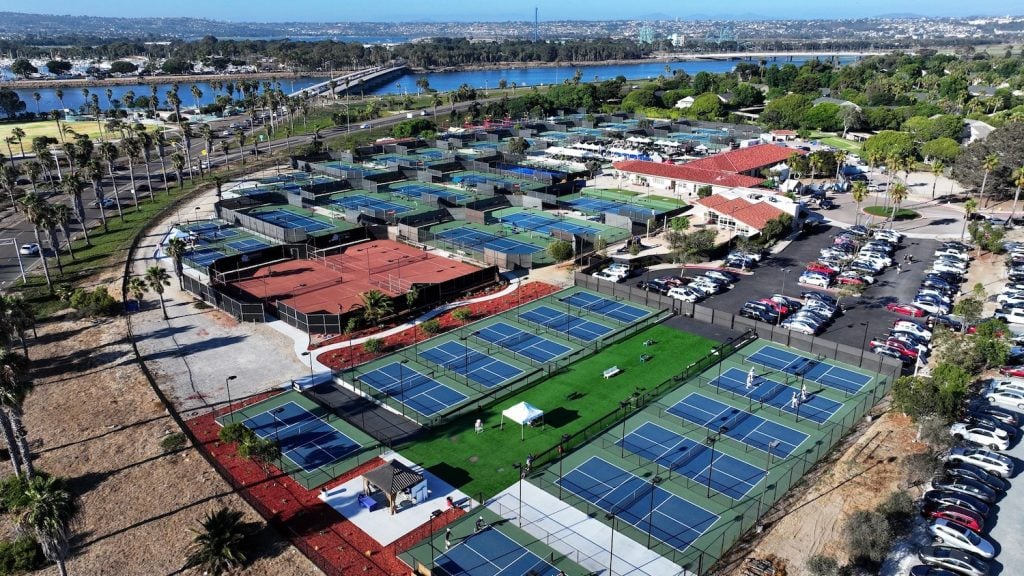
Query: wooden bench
[645, 357]
[613, 371]
[367, 502]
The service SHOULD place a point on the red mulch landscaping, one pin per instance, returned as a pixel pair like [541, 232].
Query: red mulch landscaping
[351, 356]
[333, 543]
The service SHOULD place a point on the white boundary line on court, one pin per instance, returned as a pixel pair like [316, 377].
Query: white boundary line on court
[832, 413]
[860, 387]
[525, 551]
[750, 414]
[313, 441]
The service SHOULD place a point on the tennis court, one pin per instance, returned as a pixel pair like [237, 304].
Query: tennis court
[766, 391]
[545, 224]
[613, 309]
[478, 240]
[418, 190]
[703, 464]
[247, 244]
[288, 219]
[473, 364]
[416, 390]
[748, 428]
[205, 256]
[305, 439]
[558, 321]
[509, 337]
[359, 202]
[491, 553]
[639, 502]
[811, 369]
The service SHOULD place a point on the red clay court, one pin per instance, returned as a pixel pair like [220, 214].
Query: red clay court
[333, 284]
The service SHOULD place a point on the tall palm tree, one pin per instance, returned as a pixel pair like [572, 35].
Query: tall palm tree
[109, 153]
[990, 163]
[206, 133]
[49, 223]
[1018, 180]
[225, 147]
[94, 172]
[19, 316]
[131, 148]
[840, 156]
[73, 186]
[60, 97]
[33, 169]
[970, 207]
[10, 152]
[51, 513]
[18, 133]
[15, 385]
[217, 548]
[61, 216]
[9, 181]
[178, 163]
[35, 213]
[137, 287]
[145, 146]
[376, 305]
[160, 141]
[176, 248]
[859, 194]
[240, 136]
[937, 169]
[157, 279]
[897, 193]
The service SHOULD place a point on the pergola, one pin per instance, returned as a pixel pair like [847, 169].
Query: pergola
[393, 480]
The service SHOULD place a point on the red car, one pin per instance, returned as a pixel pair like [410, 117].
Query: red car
[904, 350]
[1015, 371]
[851, 280]
[906, 310]
[780, 308]
[823, 268]
[955, 514]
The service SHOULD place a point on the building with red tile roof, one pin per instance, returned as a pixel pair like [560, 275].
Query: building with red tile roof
[744, 215]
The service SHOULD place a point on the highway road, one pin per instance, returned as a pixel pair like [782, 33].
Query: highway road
[15, 230]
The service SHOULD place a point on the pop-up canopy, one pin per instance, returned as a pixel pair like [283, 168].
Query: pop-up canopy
[522, 414]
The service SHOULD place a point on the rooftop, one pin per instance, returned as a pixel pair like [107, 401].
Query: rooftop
[688, 172]
[753, 214]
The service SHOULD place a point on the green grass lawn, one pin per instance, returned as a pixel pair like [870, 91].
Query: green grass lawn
[573, 399]
[837, 142]
[901, 214]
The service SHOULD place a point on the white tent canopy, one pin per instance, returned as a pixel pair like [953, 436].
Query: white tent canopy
[522, 414]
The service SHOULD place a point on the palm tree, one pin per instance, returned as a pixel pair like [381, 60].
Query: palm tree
[225, 147]
[131, 148]
[8, 181]
[990, 163]
[137, 287]
[37, 97]
[970, 207]
[859, 194]
[108, 151]
[15, 385]
[241, 145]
[178, 163]
[157, 279]
[840, 156]
[897, 193]
[19, 134]
[206, 133]
[73, 186]
[19, 316]
[161, 141]
[94, 172]
[50, 514]
[145, 146]
[937, 168]
[33, 169]
[61, 217]
[196, 95]
[176, 248]
[10, 152]
[217, 548]
[35, 213]
[1018, 180]
[49, 223]
[60, 97]
[376, 305]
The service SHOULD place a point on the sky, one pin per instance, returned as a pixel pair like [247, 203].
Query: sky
[488, 10]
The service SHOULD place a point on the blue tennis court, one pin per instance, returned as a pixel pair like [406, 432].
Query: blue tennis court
[247, 244]
[418, 190]
[815, 408]
[811, 369]
[595, 205]
[491, 553]
[636, 500]
[509, 337]
[291, 220]
[545, 224]
[743, 426]
[359, 202]
[473, 364]
[417, 391]
[478, 240]
[558, 321]
[205, 256]
[605, 306]
[730, 476]
[304, 438]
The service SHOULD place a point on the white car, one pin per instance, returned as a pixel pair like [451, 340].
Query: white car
[798, 325]
[946, 266]
[706, 286]
[992, 439]
[913, 328]
[952, 253]
[814, 279]
[888, 235]
[878, 256]
[29, 249]
[987, 460]
[1015, 385]
[934, 294]
[931, 307]
[611, 277]
[1008, 398]
[874, 265]
[1010, 298]
[686, 294]
[950, 534]
[1011, 315]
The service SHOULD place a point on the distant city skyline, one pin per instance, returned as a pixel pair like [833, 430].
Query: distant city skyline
[479, 10]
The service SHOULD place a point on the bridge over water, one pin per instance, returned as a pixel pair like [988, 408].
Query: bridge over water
[354, 81]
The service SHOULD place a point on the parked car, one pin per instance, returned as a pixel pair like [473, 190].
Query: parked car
[957, 536]
[652, 286]
[905, 309]
[1004, 416]
[972, 472]
[989, 461]
[726, 277]
[814, 279]
[965, 486]
[758, 314]
[31, 249]
[801, 325]
[1007, 398]
[993, 439]
[912, 327]
[947, 498]
[686, 294]
[944, 320]
[1015, 371]
[953, 559]
[956, 514]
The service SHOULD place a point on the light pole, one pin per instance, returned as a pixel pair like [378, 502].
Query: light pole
[650, 524]
[785, 273]
[197, 214]
[308, 354]
[764, 487]
[710, 442]
[433, 550]
[561, 456]
[227, 384]
[611, 544]
[401, 384]
[771, 446]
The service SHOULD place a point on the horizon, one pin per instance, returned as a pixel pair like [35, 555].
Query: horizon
[411, 11]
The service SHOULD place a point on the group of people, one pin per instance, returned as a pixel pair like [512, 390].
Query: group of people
[794, 402]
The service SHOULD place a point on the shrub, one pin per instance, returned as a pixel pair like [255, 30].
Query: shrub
[868, 536]
[898, 510]
[821, 565]
[200, 305]
[174, 442]
[234, 432]
[560, 250]
[920, 468]
[98, 302]
[21, 555]
[12, 493]
[373, 345]
[704, 191]
[462, 315]
[432, 326]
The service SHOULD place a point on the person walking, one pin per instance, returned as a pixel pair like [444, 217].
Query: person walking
[750, 379]
[447, 539]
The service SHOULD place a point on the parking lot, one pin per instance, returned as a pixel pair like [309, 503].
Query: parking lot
[865, 316]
